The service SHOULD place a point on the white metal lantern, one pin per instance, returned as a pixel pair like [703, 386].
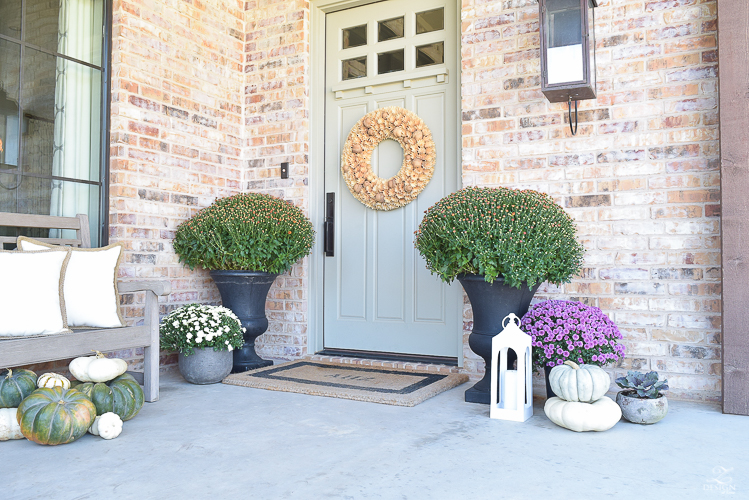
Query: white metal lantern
[514, 399]
[568, 51]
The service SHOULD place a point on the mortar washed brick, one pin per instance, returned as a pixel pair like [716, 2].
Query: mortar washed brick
[208, 98]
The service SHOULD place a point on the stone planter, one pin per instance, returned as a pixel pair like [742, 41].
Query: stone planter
[244, 292]
[642, 411]
[491, 303]
[205, 366]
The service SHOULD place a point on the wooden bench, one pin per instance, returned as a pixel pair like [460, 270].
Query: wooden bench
[25, 351]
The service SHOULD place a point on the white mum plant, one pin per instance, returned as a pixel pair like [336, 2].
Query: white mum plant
[201, 326]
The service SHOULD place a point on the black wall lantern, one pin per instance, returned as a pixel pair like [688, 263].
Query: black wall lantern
[568, 51]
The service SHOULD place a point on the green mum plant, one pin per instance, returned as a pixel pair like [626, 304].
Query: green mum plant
[250, 232]
[522, 236]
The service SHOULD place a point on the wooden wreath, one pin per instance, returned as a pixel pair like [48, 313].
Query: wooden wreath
[419, 157]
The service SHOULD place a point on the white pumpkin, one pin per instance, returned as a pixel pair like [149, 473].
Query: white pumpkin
[572, 382]
[107, 426]
[50, 380]
[581, 417]
[9, 428]
[97, 368]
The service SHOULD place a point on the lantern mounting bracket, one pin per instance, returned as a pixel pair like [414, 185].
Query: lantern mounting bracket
[569, 115]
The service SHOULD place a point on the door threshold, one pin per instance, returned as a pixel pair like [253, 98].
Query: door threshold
[390, 356]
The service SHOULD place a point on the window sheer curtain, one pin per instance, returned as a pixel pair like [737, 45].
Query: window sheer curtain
[77, 110]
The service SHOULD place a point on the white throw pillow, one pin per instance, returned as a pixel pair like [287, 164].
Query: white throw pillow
[31, 300]
[90, 289]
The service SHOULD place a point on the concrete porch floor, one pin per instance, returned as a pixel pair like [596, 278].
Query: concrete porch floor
[224, 441]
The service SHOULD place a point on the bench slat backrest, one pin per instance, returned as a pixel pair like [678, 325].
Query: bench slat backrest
[79, 224]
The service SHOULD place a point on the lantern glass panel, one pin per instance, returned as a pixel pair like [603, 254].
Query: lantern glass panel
[592, 42]
[564, 35]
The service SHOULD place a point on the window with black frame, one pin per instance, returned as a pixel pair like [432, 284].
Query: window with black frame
[53, 109]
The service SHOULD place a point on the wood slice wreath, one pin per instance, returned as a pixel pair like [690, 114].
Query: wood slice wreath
[419, 157]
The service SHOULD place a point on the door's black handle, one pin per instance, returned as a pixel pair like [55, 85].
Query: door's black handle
[329, 235]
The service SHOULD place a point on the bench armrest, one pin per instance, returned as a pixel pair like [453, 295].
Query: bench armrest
[159, 287]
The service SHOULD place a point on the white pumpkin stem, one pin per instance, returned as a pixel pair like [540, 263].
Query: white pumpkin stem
[99, 354]
[572, 364]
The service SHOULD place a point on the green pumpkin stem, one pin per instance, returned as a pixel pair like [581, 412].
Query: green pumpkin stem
[10, 373]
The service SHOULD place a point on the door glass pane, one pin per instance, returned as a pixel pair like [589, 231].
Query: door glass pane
[38, 120]
[10, 64]
[70, 27]
[355, 36]
[33, 195]
[390, 29]
[387, 62]
[61, 117]
[10, 18]
[8, 195]
[426, 55]
[430, 20]
[354, 68]
[67, 199]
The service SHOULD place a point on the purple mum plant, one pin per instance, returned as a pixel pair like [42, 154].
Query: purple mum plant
[564, 330]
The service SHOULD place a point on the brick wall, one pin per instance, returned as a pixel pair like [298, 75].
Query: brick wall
[176, 133]
[209, 98]
[276, 103]
[641, 177]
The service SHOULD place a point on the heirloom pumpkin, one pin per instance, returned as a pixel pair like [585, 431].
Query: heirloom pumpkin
[50, 380]
[581, 417]
[15, 386]
[584, 383]
[107, 426]
[9, 428]
[97, 368]
[55, 416]
[122, 396]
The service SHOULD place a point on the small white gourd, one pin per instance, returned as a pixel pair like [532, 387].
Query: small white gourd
[97, 368]
[581, 417]
[50, 380]
[9, 428]
[573, 382]
[107, 426]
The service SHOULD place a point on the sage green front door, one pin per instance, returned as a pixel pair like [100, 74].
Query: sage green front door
[379, 296]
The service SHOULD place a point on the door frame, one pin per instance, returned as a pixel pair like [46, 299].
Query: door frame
[318, 10]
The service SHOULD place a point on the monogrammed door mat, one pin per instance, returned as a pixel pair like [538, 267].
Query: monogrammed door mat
[362, 383]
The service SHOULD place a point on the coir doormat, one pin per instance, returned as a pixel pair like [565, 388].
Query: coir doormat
[362, 383]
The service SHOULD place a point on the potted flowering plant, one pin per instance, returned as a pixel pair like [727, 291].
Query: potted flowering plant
[245, 241]
[563, 330]
[204, 337]
[501, 244]
[642, 401]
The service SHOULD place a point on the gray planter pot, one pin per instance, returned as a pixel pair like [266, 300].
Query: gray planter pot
[205, 366]
[642, 411]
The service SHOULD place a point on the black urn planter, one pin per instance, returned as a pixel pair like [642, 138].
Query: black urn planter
[491, 303]
[244, 292]
[549, 392]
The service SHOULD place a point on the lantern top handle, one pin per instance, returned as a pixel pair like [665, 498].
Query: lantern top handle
[512, 317]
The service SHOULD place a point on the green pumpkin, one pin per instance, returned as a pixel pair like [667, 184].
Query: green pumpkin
[55, 416]
[15, 386]
[121, 395]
